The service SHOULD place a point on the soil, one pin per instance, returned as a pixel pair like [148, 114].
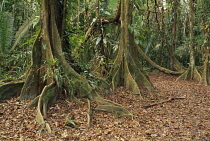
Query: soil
[180, 111]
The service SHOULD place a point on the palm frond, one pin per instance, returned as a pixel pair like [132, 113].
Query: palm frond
[32, 21]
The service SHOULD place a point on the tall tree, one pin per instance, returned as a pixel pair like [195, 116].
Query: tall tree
[205, 12]
[191, 73]
[126, 69]
[50, 74]
[171, 49]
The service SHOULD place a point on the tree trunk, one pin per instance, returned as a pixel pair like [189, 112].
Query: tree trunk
[126, 70]
[206, 67]
[191, 73]
[175, 64]
[50, 73]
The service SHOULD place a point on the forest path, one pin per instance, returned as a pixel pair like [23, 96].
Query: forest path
[177, 120]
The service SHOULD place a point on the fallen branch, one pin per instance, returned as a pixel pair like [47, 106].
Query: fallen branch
[164, 101]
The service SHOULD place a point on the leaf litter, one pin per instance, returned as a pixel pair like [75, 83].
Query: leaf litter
[187, 118]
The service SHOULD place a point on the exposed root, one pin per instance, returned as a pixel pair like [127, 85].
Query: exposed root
[126, 73]
[89, 114]
[44, 128]
[44, 98]
[190, 74]
[111, 107]
[130, 81]
[146, 58]
[34, 102]
[177, 65]
[116, 110]
[41, 84]
[10, 89]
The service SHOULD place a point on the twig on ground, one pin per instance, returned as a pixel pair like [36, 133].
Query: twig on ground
[163, 101]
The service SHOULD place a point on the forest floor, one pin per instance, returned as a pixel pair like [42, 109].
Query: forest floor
[180, 111]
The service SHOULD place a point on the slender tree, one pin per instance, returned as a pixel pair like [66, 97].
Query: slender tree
[175, 64]
[191, 73]
[206, 45]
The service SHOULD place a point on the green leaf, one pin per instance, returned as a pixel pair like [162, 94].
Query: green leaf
[107, 13]
[6, 31]
[98, 40]
[32, 21]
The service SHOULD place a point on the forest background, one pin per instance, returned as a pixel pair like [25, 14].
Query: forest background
[82, 48]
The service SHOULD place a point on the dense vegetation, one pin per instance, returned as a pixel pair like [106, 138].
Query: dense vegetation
[81, 48]
[158, 26]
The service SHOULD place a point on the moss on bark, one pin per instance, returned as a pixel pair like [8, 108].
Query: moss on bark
[10, 89]
[42, 82]
[126, 69]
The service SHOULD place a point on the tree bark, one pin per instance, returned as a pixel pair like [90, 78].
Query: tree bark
[175, 64]
[50, 73]
[126, 70]
[191, 73]
[206, 67]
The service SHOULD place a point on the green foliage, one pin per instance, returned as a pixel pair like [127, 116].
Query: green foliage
[93, 56]
[16, 36]
[72, 87]
[14, 64]
[76, 38]
[182, 51]
[31, 22]
[6, 31]
[92, 79]
[55, 72]
[113, 4]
